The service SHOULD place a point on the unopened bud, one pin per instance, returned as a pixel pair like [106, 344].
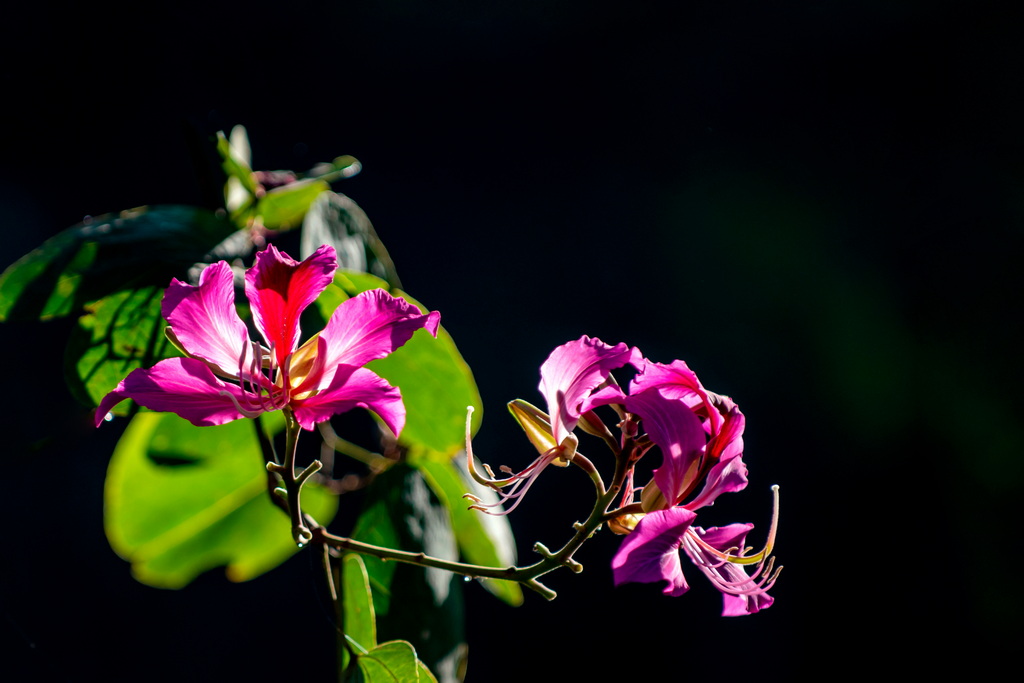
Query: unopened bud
[651, 498]
[624, 524]
[535, 422]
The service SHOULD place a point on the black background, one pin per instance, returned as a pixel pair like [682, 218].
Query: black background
[817, 205]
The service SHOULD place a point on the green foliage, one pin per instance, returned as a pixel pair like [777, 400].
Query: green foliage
[117, 334]
[181, 500]
[335, 219]
[483, 539]
[357, 616]
[101, 256]
[392, 661]
[436, 383]
[284, 207]
[424, 605]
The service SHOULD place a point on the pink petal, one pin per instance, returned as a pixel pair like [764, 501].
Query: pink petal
[184, 386]
[674, 427]
[205, 321]
[729, 474]
[572, 372]
[358, 388]
[371, 325]
[676, 380]
[280, 288]
[651, 552]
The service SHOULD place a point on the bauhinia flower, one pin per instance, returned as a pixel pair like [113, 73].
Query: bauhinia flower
[227, 376]
[574, 380]
[700, 436]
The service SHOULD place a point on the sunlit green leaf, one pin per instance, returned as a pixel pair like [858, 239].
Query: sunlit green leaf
[437, 384]
[423, 605]
[391, 662]
[357, 618]
[107, 254]
[285, 206]
[181, 500]
[335, 219]
[483, 539]
[117, 334]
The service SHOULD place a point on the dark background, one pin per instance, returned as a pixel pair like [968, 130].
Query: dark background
[817, 205]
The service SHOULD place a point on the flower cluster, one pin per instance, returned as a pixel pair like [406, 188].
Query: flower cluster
[226, 376]
[700, 436]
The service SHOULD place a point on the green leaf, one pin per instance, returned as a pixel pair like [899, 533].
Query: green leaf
[133, 249]
[436, 382]
[422, 604]
[483, 539]
[335, 219]
[181, 500]
[284, 207]
[117, 334]
[357, 618]
[391, 662]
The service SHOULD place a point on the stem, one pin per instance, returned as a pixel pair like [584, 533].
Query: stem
[293, 484]
[526, 576]
[266, 445]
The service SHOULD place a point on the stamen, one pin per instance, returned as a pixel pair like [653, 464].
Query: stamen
[523, 480]
[732, 580]
[743, 558]
[469, 453]
[239, 408]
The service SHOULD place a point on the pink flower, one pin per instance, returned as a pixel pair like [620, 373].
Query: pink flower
[651, 552]
[700, 435]
[322, 377]
[574, 380]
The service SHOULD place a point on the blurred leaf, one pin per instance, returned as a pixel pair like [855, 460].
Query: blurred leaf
[284, 207]
[483, 539]
[344, 166]
[335, 219]
[426, 604]
[236, 160]
[436, 382]
[357, 617]
[117, 334]
[107, 254]
[181, 500]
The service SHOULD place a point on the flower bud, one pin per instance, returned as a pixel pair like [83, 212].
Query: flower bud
[624, 524]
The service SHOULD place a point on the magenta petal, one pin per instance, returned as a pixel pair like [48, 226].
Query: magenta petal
[184, 386]
[205, 321]
[572, 372]
[280, 288]
[676, 380]
[361, 388]
[371, 325]
[729, 474]
[678, 432]
[651, 552]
